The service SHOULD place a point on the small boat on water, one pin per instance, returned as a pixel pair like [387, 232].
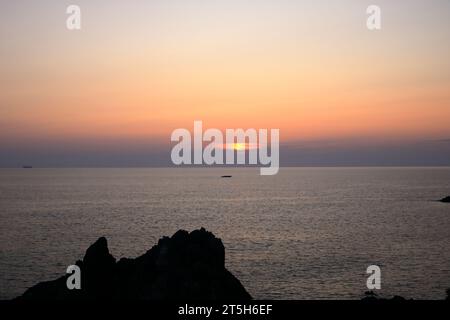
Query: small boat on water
[27, 167]
[226, 176]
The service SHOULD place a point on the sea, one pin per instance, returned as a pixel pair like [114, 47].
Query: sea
[305, 233]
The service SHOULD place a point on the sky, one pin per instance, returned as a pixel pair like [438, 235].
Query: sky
[111, 93]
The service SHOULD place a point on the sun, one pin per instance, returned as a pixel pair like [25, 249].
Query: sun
[239, 146]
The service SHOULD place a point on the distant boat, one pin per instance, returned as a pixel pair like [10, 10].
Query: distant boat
[27, 167]
[226, 176]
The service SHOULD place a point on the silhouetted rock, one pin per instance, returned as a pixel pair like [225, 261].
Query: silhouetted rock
[446, 199]
[372, 296]
[187, 266]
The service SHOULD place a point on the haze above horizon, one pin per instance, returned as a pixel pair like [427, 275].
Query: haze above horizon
[111, 93]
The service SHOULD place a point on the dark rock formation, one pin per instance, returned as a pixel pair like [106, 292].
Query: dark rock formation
[372, 296]
[187, 266]
[446, 199]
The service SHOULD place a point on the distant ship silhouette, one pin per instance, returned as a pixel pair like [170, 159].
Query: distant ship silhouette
[27, 167]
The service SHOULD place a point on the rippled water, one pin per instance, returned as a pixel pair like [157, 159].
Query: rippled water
[306, 233]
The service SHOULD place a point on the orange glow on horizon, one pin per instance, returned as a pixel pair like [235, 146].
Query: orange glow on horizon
[142, 78]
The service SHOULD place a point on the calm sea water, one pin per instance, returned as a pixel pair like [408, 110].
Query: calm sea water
[306, 233]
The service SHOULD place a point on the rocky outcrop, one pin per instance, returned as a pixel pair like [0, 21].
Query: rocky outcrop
[372, 296]
[446, 199]
[186, 266]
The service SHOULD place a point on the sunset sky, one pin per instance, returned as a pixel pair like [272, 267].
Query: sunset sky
[111, 93]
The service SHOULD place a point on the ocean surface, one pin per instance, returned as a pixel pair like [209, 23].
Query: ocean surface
[306, 233]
